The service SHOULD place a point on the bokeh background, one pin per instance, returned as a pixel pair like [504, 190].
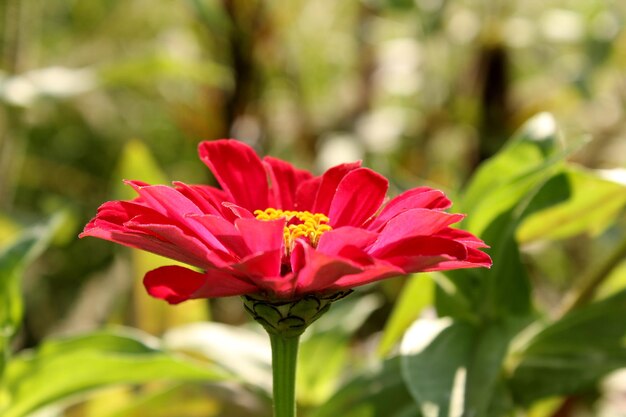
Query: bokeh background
[93, 92]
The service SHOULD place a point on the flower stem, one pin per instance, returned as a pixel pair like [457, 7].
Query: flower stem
[284, 360]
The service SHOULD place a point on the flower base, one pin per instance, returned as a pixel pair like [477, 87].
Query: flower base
[289, 318]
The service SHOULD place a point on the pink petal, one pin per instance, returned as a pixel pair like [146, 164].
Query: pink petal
[462, 236]
[217, 255]
[239, 171]
[423, 253]
[225, 233]
[113, 223]
[334, 241]
[261, 236]
[375, 273]
[414, 222]
[305, 194]
[176, 284]
[208, 199]
[236, 212]
[321, 271]
[359, 195]
[262, 269]
[422, 197]
[329, 184]
[285, 180]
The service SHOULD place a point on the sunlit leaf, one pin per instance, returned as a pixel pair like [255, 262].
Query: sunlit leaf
[452, 368]
[244, 352]
[329, 338]
[380, 392]
[573, 353]
[594, 203]
[63, 369]
[502, 180]
[417, 294]
[13, 261]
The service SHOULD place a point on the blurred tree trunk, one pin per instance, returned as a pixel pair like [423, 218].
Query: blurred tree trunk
[494, 84]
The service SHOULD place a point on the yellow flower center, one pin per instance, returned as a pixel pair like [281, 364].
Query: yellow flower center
[300, 224]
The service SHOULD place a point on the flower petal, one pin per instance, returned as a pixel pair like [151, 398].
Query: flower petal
[239, 171]
[306, 193]
[422, 197]
[462, 236]
[328, 186]
[380, 271]
[423, 253]
[261, 236]
[176, 284]
[225, 233]
[321, 271]
[414, 222]
[359, 195]
[285, 180]
[113, 222]
[335, 240]
[207, 198]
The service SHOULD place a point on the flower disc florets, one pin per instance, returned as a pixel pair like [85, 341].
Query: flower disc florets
[300, 224]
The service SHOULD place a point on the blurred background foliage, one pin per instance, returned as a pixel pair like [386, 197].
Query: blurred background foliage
[423, 91]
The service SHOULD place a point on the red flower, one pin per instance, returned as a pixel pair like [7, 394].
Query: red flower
[280, 232]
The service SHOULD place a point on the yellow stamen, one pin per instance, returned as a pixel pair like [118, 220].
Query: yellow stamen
[312, 225]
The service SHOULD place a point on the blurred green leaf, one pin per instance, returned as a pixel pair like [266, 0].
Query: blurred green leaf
[592, 206]
[9, 229]
[417, 294]
[573, 353]
[62, 369]
[502, 180]
[524, 178]
[452, 368]
[329, 338]
[379, 393]
[245, 353]
[146, 70]
[13, 261]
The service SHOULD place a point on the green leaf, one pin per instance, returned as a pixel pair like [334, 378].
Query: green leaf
[534, 144]
[504, 290]
[573, 353]
[593, 205]
[13, 261]
[380, 392]
[62, 369]
[452, 368]
[243, 352]
[329, 338]
[417, 294]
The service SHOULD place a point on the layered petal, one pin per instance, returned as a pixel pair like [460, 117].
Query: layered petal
[328, 185]
[421, 197]
[176, 284]
[358, 197]
[284, 180]
[238, 170]
[414, 222]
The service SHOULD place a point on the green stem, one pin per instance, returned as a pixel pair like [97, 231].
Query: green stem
[284, 360]
[586, 290]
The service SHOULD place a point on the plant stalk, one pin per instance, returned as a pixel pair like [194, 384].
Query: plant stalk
[586, 290]
[284, 360]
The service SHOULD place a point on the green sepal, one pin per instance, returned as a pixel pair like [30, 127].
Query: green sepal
[289, 318]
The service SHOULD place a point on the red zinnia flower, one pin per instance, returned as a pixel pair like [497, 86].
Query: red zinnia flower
[281, 233]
